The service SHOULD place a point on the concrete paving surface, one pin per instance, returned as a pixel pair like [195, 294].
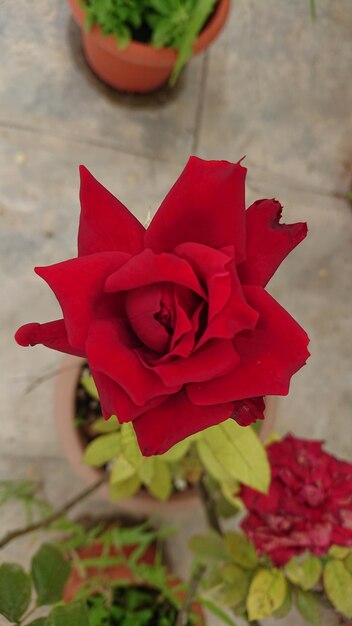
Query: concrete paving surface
[275, 86]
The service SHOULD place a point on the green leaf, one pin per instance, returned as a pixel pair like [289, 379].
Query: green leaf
[122, 470]
[129, 445]
[157, 479]
[338, 552]
[338, 586]
[210, 462]
[90, 387]
[75, 614]
[308, 607]
[40, 621]
[201, 12]
[102, 449]
[208, 548]
[217, 611]
[102, 426]
[286, 607]
[236, 584]
[15, 591]
[304, 573]
[177, 452]
[126, 489]
[241, 550]
[229, 491]
[348, 563]
[240, 453]
[267, 593]
[50, 572]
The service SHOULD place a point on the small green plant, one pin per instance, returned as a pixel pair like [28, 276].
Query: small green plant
[253, 589]
[162, 23]
[227, 453]
[22, 593]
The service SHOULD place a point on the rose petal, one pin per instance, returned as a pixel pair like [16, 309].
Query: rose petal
[106, 224]
[270, 355]
[148, 268]
[111, 351]
[142, 305]
[209, 362]
[52, 335]
[206, 205]
[78, 285]
[115, 401]
[156, 434]
[246, 412]
[268, 241]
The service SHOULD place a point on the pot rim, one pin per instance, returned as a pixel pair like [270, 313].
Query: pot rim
[146, 54]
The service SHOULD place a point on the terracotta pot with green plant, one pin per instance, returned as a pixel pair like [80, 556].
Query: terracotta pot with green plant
[138, 46]
[97, 573]
[123, 580]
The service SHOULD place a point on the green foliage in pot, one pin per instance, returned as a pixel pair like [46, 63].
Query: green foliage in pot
[227, 453]
[22, 593]
[100, 599]
[133, 606]
[162, 23]
[240, 580]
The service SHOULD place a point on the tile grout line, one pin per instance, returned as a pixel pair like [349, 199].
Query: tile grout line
[200, 106]
[90, 141]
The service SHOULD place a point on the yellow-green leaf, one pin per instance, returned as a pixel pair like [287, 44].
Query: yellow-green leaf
[236, 584]
[90, 387]
[240, 453]
[208, 548]
[102, 449]
[129, 445]
[338, 586]
[229, 491]
[267, 593]
[304, 572]
[348, 563]
[102, 426]
[242, 552]
[122, 470]
[160, 483]
[125, 489]
[286, 606]
[308, 607]
[210, 462]
[177, 452]
[338, 552]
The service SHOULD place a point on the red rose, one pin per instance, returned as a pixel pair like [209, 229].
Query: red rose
[309, 504]
[174, 320]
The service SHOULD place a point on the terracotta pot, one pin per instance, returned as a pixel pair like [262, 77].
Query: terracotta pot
[139, 67]
[119, 572]
[142, 503]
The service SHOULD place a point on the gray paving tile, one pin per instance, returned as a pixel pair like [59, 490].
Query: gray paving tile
[314, 283]
[39, 218]
[278, 90]
[45, 84]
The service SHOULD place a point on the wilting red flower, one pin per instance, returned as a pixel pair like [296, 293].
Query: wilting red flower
[178, 329]
[309, 504]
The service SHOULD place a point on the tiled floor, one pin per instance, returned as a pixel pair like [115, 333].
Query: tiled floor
[275, 86]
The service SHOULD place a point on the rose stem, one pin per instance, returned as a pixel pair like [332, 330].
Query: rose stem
[208, 503]
[44, 523]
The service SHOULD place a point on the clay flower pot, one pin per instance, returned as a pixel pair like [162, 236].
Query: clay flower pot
[139, 67]
[119, 572]
[142, 503]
